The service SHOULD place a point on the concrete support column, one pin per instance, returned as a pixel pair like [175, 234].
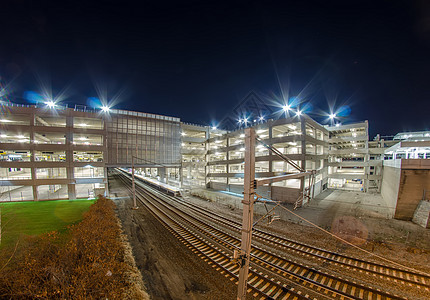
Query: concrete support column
[71, 191]
[162, 173]
[303, 149]
[71, 188]
[106, 183]
[228, 165]
[366, 173]
[207, 135]
[181, 176]
[366, 159]
[105, 146]
[35, 194]
[33, 157]
[270, 157]
[187, 171]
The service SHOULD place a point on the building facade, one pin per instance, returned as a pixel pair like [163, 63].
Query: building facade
[64, 153]
[48, 154]
[355, 163]
[300, 138]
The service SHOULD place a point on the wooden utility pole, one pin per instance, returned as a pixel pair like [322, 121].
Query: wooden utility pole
[249, 185]
[248, 207]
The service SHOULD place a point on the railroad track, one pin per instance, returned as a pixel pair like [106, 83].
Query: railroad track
[382, 271]
[263, 287]
[280, 272]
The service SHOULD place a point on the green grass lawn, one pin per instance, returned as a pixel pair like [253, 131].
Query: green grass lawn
[33, 218]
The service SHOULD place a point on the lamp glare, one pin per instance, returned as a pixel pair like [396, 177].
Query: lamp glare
[50, 104]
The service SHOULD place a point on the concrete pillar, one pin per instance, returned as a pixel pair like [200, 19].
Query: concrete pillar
[270, 156]
[181, 177]
[107, 190]
[35, 194]
[33, 158]
[228, 165]
[71, 191]
[106, 183]
[71, 188]
[162, 173]
[303, 149]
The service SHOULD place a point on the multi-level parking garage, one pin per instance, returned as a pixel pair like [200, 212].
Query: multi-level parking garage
[355, 163]
[301, 138]
[59, 153]
[342, 155]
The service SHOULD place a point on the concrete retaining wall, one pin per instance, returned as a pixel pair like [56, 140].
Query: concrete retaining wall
[278, 193]
[284, 194]
[422, 214]
[412, 185]
[390, 185]
[236, 202]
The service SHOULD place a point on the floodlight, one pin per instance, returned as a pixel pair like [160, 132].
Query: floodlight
[214, 128]
[286, 107]
[332, 116]
[298, 113]
[50, 103]
[261, 118]
[183, 134]
[105, 108]
[338, 124]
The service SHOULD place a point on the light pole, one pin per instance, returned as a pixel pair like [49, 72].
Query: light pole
[250, 185]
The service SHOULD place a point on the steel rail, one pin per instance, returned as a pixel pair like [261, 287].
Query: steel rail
[310, 273]
[263, 287]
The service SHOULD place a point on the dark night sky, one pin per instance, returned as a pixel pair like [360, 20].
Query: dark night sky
[197, 59]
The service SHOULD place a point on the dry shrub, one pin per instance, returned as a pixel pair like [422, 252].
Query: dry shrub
[90, 264]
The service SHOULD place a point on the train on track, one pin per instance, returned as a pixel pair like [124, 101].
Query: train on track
[168, 189]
